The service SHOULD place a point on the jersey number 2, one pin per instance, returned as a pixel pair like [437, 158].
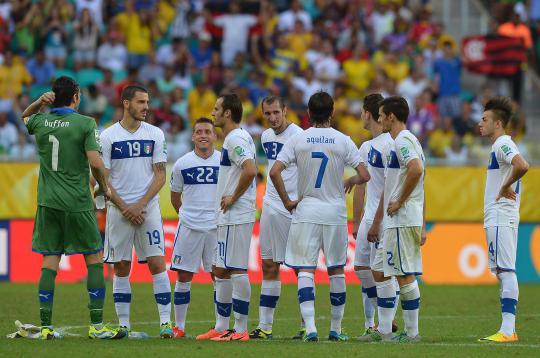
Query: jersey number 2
[55, 148]
[322, 168]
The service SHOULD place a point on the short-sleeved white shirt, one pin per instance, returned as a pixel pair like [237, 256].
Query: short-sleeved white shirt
[237, 148]
[407, 148]
[504, 212]
[272, 144]
[196, 178]
[372, 152]
[320, 155]
[130, 158]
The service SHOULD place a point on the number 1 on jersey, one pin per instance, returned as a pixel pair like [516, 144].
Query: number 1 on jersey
[55, 148]
[322, 168]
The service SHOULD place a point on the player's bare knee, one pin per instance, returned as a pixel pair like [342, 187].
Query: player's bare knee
[51, 262]
[91, 259]
[222, 273]
[405, 279]
[335, 271]
[361, 268]
[270, 270]
[122, 268]
[156, 264]
[184, 276]
[379, 276]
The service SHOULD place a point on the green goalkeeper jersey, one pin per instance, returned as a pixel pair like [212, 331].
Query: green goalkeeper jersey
[63, 136]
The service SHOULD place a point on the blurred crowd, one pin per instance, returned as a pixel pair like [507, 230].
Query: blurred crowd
[186, 52]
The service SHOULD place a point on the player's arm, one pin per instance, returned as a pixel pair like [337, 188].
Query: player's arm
[358, 206]
[519, 168]
[279, 184]
[176, 200]
[160, 171]
[35, 107]
[415, 169]
[249, 171]
[373, 233]
[362, 176]
[98, 171]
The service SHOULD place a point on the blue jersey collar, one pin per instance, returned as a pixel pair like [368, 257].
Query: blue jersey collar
[62, 110]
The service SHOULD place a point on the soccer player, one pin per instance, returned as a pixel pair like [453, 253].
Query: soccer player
[501, 210]
[320, 219]
[65, 220]
[372, 155]
[235, 209]
[135, 155]
[193, 195]
[404, 225]
[275, 219]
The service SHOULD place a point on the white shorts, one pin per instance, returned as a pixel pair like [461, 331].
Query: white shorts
[364, 254]
[502, 247]
[273, 235]
[121, 236]
[306, 240]
[233, 241]
[191, 247]
[402, 254]
[377, 264]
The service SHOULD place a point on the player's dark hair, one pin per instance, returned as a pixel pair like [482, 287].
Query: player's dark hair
[321, 107]
[129, 92]
[501, 108]
[271, 99]
[397, 105]
[232, 102]
[64, 89]
[371, 104]
[203, 120]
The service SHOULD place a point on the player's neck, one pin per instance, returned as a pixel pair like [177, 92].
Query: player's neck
[396, 129]
[496, 135]
[376, 131]
[228, 127]
[282, 128]
[130, 124]
[204, 153]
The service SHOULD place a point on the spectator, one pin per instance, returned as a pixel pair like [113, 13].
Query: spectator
[151, 71]
[357, 73]
[200, 101]
[13, 76]
[164, 115]
[55, 38]
[180, 24]
[178, 139]
[8, 134]
[235, 31]
[214, 73]
[85, 40]
[307, 84]
[326, 69]
[421, 121]
[22, 150]
[95, 102]
[288, 17]
[112, 54]
[41, 69]
[5, 35]
[448, 73]
[141, 31]
[107, 87]
[382, 21]
[299, 40]
[202, 53]
[464, 124]
[457, 153]
[94, 7]
[167, 52]
[412, 86]
[167, 83]
[180, 105]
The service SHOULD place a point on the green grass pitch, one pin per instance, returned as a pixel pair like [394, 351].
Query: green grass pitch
[451, 319]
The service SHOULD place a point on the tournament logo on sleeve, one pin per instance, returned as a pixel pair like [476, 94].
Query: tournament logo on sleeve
[239, 151]
[96, 134]
[506, 149]
[405, 152]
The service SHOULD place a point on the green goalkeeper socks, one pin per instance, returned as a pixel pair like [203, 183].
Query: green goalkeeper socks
[46, 295]
[96, 291]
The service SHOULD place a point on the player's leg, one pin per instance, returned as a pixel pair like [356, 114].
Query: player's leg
[363, 272]
[335, 243]
[502, 247]
[302, 253]
[49, 269]
[182, 297]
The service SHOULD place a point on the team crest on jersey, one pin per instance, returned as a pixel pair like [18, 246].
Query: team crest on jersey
[147, 148]
[177, 259]
[239, 151]
[506, 149]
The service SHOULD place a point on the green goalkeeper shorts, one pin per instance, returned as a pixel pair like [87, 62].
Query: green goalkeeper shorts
[59, 232]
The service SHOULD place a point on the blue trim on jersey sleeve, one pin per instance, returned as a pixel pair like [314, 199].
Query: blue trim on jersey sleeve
[493, 163]
[272, 149]
[393, 162]
[139, 148]
[200, 175]
[225, 161]
[375, 158]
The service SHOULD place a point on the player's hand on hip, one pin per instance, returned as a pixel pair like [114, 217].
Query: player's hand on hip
[507, 192]
[373, 233]
[47, 98]
[393, 207]
[226, 203]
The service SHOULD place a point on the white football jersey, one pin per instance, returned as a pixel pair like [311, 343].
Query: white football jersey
[504, 212]
[372, 152]
[237, 148]
[391, 173]
[130, 156]
[320, 155]
[272, 144]
[196, 178]
[407, 148]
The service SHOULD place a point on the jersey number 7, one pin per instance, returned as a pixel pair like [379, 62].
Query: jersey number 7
[322, 168]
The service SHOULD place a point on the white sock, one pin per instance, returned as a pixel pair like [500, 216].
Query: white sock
[241, 294]
[182, 296]
[386, 300]
[369, 296]
[122, 299]
[338, 296]
[223, 303]
[410, 304]
[509, 300]
[162, 293]
[270, 292]
[396, 285]
[306, 298]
